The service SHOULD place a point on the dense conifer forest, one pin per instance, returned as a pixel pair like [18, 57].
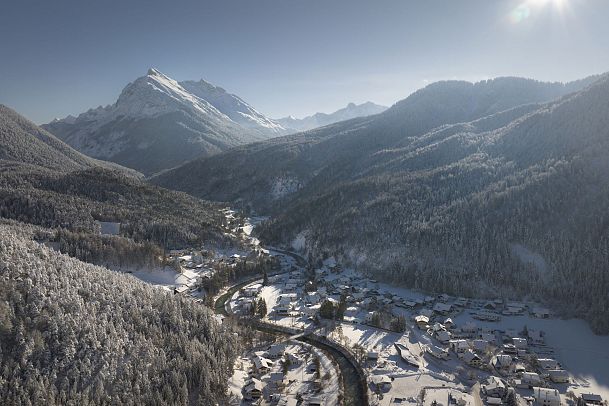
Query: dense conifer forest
[74, 333]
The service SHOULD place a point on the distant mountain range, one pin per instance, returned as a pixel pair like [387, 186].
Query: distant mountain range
[352, 110]
[158, 123]
[268, 173]
[453, 189]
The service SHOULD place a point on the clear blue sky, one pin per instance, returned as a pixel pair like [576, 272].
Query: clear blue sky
[60, 57]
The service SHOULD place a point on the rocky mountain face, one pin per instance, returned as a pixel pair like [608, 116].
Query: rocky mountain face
[157, 123]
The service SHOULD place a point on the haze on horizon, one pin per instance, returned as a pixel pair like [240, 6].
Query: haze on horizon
[288, 57]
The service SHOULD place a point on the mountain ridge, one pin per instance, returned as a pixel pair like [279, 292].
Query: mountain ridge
[156, 124]
[316, 120]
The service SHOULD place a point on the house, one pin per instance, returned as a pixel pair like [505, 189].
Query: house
[437, 352]
[262, 364]
[405, 354]
[275, 351]
[276, 380]
[382, 382]
[422, 321]
[443, 336]
[251, 291]
[488, 337]
[541, 313]
[315, 401]
[443, 297]
[493, 401]
[461, 302]
[290, 287]
[485, 316]
[410, 304]
[459, 346]
[591, 399]
[287, 298]
[426, 312]
[180, 289]
[311, 310]
[490, 306]
[546, 396]
[373, 355]
[547, 363]
[284, 400]
[520, 343]
[510, 349]
[494, 387]
[283, 310]
[502, 362]
[480, 345]
[442, 308]
[253, 390]
[558, 376]
[437, 327]
[530, 379]
[312, 298]
[471, 359]
[448, 323]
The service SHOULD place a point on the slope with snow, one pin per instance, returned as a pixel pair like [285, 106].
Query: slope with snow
[234, 107]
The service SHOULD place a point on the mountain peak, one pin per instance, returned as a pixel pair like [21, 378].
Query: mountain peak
[154, 72]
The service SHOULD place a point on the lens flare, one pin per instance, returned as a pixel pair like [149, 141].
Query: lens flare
[529, 7]
[520, 13]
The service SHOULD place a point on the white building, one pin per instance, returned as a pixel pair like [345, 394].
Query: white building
[546, 396]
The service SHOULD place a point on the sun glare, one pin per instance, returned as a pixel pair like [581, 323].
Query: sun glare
[529, 7]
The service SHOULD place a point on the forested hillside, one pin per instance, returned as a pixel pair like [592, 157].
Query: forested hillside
[454, 189]
[45, 182]
[455, 209]
[74, 333]
[23, 142]
[266, 175]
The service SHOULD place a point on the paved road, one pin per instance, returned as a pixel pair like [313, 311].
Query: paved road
[354, 379]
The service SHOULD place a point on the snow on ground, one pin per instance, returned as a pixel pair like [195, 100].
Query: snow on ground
[163, 277]
[238, 379]
[299, 243]
[529, 257]
[579, 351]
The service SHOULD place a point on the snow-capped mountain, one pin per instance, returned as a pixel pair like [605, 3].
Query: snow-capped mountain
[157, 123]
[233, 106]
[352, 110]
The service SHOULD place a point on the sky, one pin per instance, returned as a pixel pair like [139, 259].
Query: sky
[288, 57]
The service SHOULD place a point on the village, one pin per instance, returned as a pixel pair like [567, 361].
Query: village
[415, 348]
[422, 349]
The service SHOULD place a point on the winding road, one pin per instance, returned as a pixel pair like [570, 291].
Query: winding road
[353, 376]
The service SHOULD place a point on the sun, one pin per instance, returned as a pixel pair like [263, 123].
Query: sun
[559, 4]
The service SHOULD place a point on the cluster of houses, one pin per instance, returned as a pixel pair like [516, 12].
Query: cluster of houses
[268, 381]
[515, 359]
[191, 267]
